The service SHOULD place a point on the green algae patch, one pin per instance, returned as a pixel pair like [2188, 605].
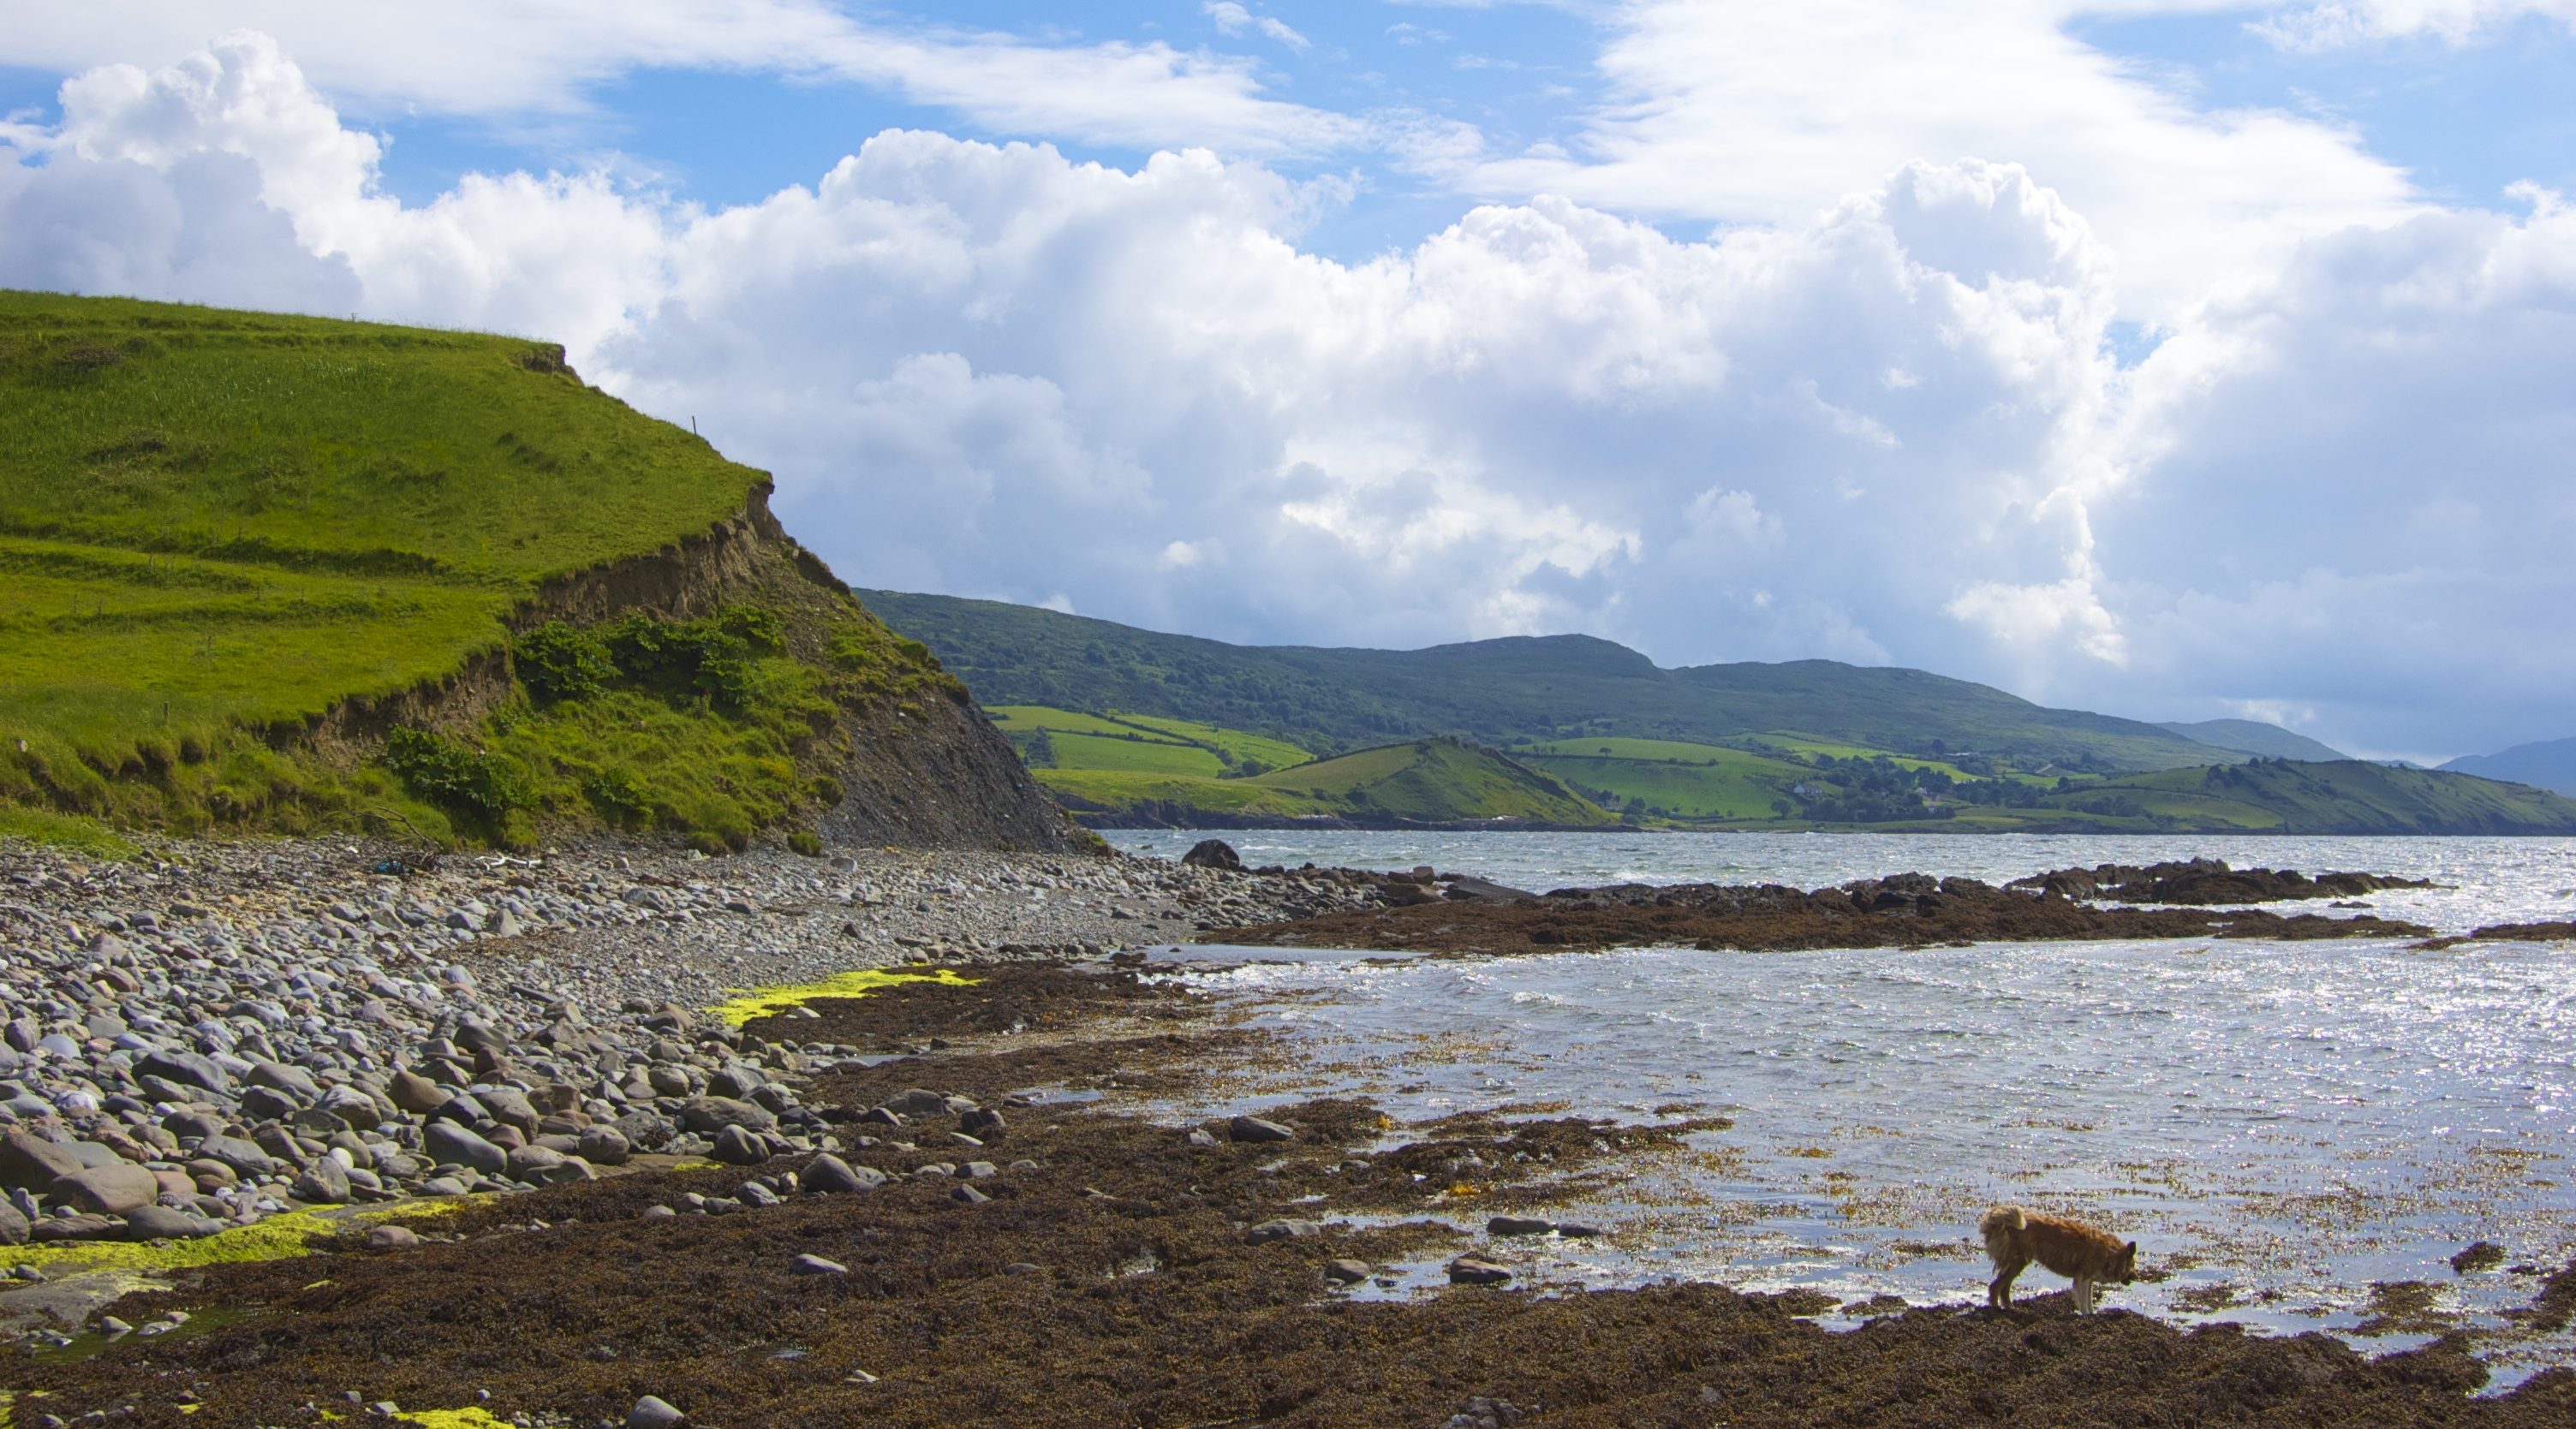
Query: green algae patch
[749, 1004]
[470, 1417]
[279, 1237]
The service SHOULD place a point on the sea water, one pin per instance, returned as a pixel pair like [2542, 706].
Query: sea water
[2281, 1126]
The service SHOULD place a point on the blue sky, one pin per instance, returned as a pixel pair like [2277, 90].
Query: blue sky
[2159, 356]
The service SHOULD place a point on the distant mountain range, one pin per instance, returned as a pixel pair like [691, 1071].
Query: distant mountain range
[2549, 764]
[1130, 728]
[1498, 691]
[2247, 736]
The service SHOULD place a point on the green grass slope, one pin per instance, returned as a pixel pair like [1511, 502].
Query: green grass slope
[217, 528]
[1431, 781]
[1499, 692]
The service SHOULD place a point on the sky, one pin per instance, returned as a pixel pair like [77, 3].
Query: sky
[2180, 359]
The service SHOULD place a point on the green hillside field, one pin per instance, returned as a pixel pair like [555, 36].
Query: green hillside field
[218, 527]
[1421, 782]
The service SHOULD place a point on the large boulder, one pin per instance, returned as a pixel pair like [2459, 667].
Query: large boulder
[324, 1183]
[917, 1102]
[709, 1115]
[245, 1158]
[106, 1190]
[415, 1093]
[186, 1068]
[30, 1162]
[1253, 1128]
[448, 1143]
[828, 1174]
[277, 1076]
[737, 1147]
[1213, 853]
[602, 1146]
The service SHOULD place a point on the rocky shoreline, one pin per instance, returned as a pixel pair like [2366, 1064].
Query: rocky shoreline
[218, 1060]
[1443, 914]
[991, 1247]
[219, 1033]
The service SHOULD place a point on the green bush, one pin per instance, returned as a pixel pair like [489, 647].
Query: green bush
[620, 797]
[806, 842]
[557, 662]
[452, 777]
[717, 656]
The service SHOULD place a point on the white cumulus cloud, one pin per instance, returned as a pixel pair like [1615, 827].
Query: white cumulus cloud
[1886, 428]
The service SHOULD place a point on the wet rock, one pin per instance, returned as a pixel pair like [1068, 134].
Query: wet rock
[106, 1190]
[828, 1174]
[1282, 1229]
[510, 1107]
[324, 1183]
[448, 1143]
[603, 1146]
[2484, 1255]
[532, 1163]
[1214, 853]
[736, 1082]
[355, 1109]
[415, 1093]
[1253, 1128]
[79, 1227]
[13, 1225]
[709, 1115]
[30, 1162]
[735, 1146]
[651, 1412]
[165, 1223]
[1578, 1230]
[1518, 1225]
[816, 1265]
[246, 1158]
[915, 1102]
[184, 1068]
[392, 1238]
[968, 1195]
[1346, 1272]
[983, 1125]
[1200, 1136]
[1475, 1270]
[276, 1076]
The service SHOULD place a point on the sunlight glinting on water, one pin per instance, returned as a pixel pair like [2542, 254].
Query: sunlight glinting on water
[2280, 1125]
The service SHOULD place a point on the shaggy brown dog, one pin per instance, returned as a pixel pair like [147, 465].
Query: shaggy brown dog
[2015, 1238]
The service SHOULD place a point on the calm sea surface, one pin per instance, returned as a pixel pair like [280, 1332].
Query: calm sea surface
[2280, 1126]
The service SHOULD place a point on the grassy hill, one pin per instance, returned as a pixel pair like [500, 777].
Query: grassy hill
[2550, 764]
[1784, 781]
[1497, 692]
[279, 573]
[2343, 797]
[1431, 781]
[1117, 770]
[2248, 736]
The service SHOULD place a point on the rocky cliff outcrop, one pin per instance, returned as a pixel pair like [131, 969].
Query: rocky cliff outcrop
[918, 764]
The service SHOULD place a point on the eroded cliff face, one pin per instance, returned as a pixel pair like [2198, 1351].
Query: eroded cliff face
[918, 764]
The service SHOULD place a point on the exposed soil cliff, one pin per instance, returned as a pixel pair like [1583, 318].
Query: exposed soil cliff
[920, 769]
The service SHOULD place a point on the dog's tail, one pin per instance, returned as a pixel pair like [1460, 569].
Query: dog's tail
[2000, 1225]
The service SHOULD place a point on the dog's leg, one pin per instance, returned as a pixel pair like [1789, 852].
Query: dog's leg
[2083, 1296]
[1999, 1294]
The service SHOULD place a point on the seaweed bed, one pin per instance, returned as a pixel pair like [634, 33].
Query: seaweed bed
[1909, 910]
[1113, 1284]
